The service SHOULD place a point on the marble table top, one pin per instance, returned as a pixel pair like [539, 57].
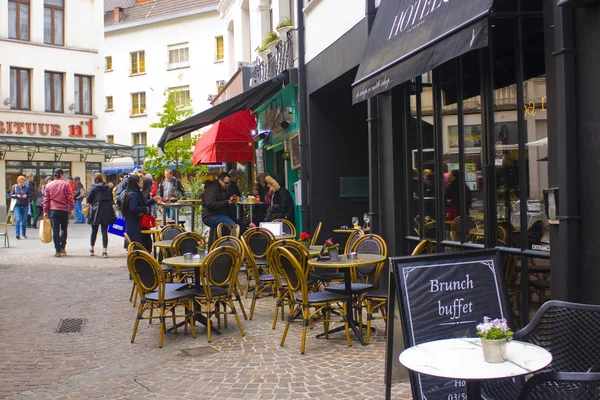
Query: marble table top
[463, 359]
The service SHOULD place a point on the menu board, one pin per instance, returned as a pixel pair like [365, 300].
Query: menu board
[444, 296]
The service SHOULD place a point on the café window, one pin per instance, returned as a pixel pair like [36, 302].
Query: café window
[54, 22]
[179, 56]
[138, 62]
[109, 103]
[138, 138]
[83, 94]
[53, 91]
[20, 89]
[108, 66]
[18, 19]
[138, 103]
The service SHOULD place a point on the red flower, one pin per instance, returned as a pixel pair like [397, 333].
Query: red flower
[328, 242]
[304, 236]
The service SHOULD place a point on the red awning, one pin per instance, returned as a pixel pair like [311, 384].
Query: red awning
[228, 140]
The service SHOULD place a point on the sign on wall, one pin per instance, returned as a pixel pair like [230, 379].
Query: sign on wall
[19, 128]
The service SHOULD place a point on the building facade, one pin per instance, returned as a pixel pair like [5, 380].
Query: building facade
[152, 48]
[51, 81]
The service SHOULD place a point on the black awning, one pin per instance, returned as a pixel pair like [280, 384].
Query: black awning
[411, 37]
[248, 100]
[63, 146]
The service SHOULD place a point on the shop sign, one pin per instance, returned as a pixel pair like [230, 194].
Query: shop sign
[83, 129]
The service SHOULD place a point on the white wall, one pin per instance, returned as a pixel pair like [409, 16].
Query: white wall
[201, 75]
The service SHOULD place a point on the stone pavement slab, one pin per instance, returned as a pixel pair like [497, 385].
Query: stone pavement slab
[37, 290]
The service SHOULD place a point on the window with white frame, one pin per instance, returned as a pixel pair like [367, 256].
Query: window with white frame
[109, 103]
[83, 94]
[179, 56]
[138, 103]
[138, 62]
[108, 63]
[181, 95]
[20, 88]
[138, 138]
[219, 49]
[54, 22]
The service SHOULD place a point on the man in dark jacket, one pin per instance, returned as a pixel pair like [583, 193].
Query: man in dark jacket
[234, 190]
[215, 204]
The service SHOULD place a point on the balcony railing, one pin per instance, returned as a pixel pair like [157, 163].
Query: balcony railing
[278, 61]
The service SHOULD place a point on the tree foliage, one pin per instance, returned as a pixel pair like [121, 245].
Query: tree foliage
[177, 152]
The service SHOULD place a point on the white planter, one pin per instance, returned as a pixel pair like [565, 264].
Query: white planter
[494, 351]
[282, 32]
[264, 56]
[273, 46]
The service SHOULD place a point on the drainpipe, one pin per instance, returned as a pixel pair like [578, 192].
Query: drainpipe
[373, 129]
[303, 118]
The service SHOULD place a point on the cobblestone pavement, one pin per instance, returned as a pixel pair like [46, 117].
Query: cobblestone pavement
[37, 290]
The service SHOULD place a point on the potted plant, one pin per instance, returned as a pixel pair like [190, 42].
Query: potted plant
[284, 26]
[494, 334]
[305, 239]
[263, 53]
[271, 41]
[201, 247]
[333, 249]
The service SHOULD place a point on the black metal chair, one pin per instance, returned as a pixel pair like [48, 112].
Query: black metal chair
[569, 332]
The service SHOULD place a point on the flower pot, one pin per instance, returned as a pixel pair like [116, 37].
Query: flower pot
[333, 254]
[283, 31]
[306, 244]
[264, 56]
[273, 46]
[494, 351]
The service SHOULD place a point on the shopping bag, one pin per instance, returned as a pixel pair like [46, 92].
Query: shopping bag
[45, 231]
[118, 228]
[13, 203]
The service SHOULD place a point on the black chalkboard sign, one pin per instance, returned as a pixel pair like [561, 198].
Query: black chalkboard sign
[444, 296]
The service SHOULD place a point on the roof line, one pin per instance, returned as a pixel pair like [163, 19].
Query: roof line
[168, 17]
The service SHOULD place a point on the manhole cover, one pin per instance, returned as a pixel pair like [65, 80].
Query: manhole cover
[67, 325]
[199, 351]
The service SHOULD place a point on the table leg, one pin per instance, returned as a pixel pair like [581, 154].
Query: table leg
[349, 311]
[193, 218]
[251, 218]
[176, 215]
[164, 212]
[238, 207]
[473, 390]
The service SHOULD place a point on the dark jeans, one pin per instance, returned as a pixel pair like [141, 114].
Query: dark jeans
[38, 216]
[59, 221]
[104, 231]
[214, 221]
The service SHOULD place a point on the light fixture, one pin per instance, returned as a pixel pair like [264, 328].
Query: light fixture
[72, 106]
[284, 124]
[257, 137]
[7, 101]
[290, 110]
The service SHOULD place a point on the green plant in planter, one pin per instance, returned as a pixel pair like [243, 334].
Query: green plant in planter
[284, 22]
[271, 37]
[261, 48]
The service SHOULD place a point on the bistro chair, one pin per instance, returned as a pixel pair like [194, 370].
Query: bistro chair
[186, 242]
[223, 229]
[569, 331]
[286, 265]
[456, 228]
[429, 230]
[287, 227]
[315, 236]
[214, 297]
[240, 248]
[257, 242]
[4, 229]
[151, 285]
[169, 232]
[264, 281]
[235, 231]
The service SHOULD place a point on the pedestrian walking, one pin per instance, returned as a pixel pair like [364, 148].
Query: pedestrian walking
[170, 188]
[101, 213]
[58, 202]
[39, 201]
[79, 196]
[21, 192]
[134, 206]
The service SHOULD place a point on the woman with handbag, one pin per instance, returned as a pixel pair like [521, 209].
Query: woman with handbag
[100, 213]
[148, 221]
[133, 207]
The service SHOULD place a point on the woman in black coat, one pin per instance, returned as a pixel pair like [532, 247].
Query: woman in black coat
[101, 213]
[282, 204]
[133, 207]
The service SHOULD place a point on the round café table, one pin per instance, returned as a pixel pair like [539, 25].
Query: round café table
[344, 263]
[240, 205]
[163, 244]
[462, 359]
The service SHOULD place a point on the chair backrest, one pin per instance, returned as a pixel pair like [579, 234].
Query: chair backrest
[297, 249]
[221, 267]
[170, 231]
[567, 330]
[352, 238]
[230, 241]
[429, 230]
[370, 244]
[424, 247]
[135, 246]
[313, 241]
[235, 231]
[535, 233]
[146, 273]
[287, 226]
[258, 241]
[286, 265]
[223, 229]
[186, 242]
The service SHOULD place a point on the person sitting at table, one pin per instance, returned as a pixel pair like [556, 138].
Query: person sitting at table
[215, 203]
[260, 189]
[282, 204]
[452, 196]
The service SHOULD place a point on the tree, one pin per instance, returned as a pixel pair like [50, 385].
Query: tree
[177, 152]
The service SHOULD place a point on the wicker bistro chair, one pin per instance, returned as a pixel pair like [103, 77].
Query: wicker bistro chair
[286, 265]
[224, 229]
[570, 332]
[240, 248]
[315, 236]
[287, 227]
[169, 232]
[235, 231]
[257, 242]
[151, 285]
[219, 275]
[186, 242]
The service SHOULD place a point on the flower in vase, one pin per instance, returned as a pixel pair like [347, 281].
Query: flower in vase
[494, 329]
[304, 238]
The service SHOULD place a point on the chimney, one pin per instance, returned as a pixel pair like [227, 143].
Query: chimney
[117, 15]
